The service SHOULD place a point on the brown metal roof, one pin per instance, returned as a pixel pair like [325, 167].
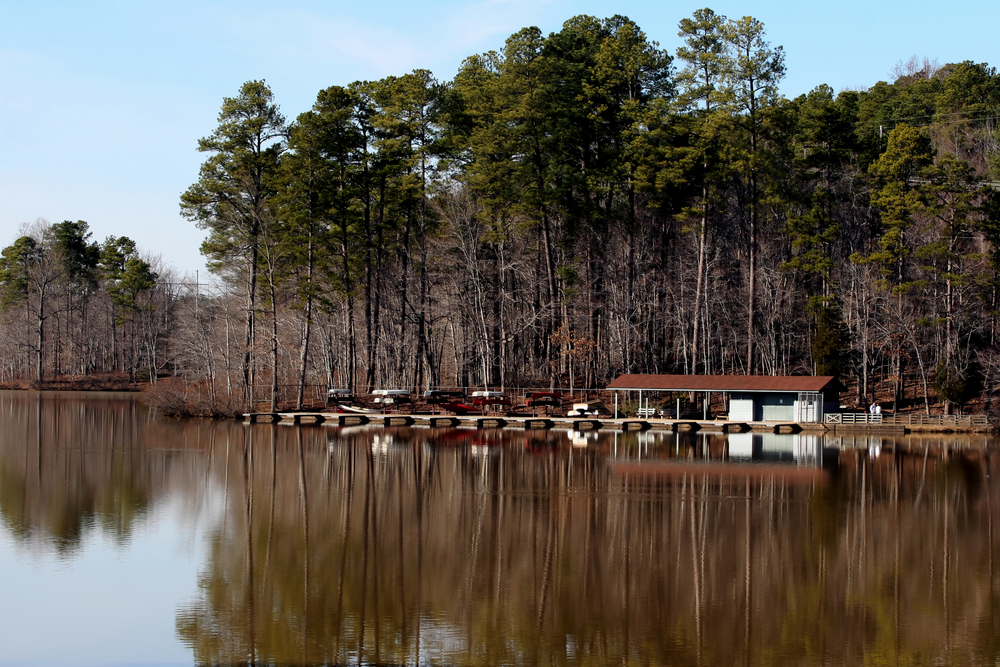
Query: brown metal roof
[729, 383]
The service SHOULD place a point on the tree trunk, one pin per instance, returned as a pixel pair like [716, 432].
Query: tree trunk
[700, 281]
[247, 369]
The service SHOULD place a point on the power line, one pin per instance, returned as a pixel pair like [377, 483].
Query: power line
[935, 115]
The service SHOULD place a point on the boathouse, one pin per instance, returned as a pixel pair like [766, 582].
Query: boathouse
[795, 398]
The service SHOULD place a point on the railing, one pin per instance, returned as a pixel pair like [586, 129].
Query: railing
[938, 420]
[906, 420]
[314, 395]
[852, 418]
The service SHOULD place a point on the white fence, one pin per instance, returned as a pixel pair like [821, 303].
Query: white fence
[906, 420]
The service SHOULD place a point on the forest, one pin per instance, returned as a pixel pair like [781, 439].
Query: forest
[564, 209]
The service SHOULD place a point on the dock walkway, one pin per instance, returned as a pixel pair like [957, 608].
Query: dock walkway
[542, 422]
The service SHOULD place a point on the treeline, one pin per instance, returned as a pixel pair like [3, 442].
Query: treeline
[582, 204]
[75, 307]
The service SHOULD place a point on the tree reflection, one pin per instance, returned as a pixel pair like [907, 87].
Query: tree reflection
[69, 465]
[417, 545]
[469, 547]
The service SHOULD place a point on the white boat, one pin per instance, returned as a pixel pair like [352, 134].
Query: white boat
[391, 396]
[590, 409]
[362, 411]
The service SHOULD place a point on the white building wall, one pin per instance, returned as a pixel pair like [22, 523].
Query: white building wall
[741, 409]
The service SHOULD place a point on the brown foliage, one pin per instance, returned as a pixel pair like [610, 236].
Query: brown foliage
[117, 381]
[178, 398]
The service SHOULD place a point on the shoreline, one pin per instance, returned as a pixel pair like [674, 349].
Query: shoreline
[83, 384]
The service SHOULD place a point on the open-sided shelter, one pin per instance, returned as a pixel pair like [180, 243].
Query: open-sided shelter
[794, 398]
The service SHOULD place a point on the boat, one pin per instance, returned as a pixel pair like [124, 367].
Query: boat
[436, 396]
[392, 396]
[594, 408]
[461, 409]
[488, 394]
[391, 399]
[343, 407]
[490, 400]
[340, 396]
[544, 399]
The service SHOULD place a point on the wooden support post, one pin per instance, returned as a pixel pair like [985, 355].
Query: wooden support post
[586, 425]
[352, 420]
[635, 426]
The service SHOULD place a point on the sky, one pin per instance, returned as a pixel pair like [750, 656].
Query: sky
[104, 100]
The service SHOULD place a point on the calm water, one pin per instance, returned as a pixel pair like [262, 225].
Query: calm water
[130, 540]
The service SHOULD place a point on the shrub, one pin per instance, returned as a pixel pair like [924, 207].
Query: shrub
[177, 398]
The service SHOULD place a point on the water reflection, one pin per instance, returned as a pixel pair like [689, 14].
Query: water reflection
[100, 509]
[508, 547]
[70, 464]
[444, 546]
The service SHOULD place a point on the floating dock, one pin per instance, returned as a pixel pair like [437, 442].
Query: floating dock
[528, 423]
[887, 426]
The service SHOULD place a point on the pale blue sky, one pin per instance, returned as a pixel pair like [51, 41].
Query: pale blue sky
[104, 100]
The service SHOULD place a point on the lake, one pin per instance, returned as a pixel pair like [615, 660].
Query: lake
[127, 539]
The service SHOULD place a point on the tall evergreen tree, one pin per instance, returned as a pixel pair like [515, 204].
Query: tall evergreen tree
[752, 73]
[702, 92]
[232, 197]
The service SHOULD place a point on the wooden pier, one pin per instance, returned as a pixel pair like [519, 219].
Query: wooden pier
[885, 427]
[527, 423]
